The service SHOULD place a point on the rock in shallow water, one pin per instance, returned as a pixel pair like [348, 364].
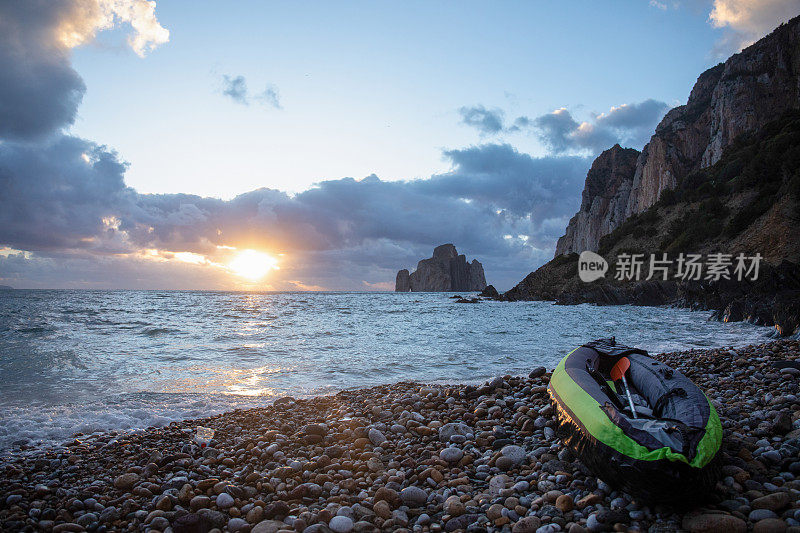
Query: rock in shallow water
[537, 372]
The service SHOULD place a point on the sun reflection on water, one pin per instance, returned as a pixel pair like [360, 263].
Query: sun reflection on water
[231, 381]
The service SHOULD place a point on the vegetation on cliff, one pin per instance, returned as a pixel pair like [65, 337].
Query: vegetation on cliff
[748, 202]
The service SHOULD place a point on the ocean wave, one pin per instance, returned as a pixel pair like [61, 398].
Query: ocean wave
[64, 370]
[153, 332]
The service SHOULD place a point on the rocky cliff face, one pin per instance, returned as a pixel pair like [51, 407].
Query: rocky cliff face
[739, 96]
[608, 186]
[746, 203]
[445, 271]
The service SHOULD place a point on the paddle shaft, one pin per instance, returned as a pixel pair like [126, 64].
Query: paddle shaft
[628, 391]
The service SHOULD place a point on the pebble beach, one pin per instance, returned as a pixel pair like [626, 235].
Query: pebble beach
[412, 457]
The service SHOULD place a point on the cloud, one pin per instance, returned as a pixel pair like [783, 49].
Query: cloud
[235, 87]
[520, 123]
[39, 90]
[743, 21]
[57, 194]
[627, 124]
[558, 131]
[491, 121]
[497, 175]
[88, 17]
[486, 121]
[748, 20]
[271, 97]
[69, 197]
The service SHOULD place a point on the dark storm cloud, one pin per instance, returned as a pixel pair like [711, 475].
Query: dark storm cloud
[492, 190]
[39, 90]
[500, 176]
[235, 88]
[52, 197]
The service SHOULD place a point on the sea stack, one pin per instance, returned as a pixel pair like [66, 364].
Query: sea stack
[445, 271]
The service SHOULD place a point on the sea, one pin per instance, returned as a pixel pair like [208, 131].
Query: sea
[84, 361]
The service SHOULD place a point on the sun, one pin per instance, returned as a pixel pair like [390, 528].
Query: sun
[252, 264]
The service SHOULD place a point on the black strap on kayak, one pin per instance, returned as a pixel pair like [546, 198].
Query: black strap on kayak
[607, 390]
[689, 435]
[610, 348]
[661, 403]
[683, 430]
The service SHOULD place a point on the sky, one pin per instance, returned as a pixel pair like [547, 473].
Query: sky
[324, 145]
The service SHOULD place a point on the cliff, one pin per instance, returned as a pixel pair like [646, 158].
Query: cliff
[445, 271]
[747, 202]
[719, 175]
[601, 211]
[739, 96]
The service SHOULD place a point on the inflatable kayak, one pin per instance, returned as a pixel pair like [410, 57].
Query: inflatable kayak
[667, 450]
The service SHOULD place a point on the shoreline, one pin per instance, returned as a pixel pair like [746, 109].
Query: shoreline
[64, 380]
[374, 457]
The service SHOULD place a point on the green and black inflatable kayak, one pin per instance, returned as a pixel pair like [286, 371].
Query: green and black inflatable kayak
[669, 452]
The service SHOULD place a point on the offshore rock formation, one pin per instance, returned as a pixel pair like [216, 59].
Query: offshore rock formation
[750, 89]
[402, 282]
[445, 271]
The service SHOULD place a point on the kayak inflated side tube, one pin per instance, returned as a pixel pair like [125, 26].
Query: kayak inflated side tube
[668, 453]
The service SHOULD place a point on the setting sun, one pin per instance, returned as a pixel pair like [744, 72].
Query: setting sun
[252, 264]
